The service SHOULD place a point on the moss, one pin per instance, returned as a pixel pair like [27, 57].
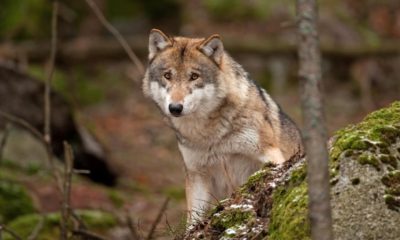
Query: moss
[378, 129]
[231, 218]
[392, 182]
[388, 159]
[95, 220]
[289, 210]
[367, 158]
[392, 202]
[14, 201]
[370, 142]
[116, 198]
[255, 179]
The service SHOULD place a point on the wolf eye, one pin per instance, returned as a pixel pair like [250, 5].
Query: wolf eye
[194, 76]
[167, 75]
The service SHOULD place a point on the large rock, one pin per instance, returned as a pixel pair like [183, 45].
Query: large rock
[365, 192]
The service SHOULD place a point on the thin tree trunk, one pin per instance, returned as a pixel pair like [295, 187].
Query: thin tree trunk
[315, 135]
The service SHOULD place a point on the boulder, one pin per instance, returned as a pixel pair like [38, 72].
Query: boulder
[365, 190]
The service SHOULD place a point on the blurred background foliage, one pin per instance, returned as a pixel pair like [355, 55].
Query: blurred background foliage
[360, 42]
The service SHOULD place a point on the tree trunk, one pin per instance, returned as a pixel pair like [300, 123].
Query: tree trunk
[315, 135]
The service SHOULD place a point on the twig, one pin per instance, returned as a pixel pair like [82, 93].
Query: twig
[81, 223]
[132, 228]
[37, 229]
[11, 232]
[81, 171]
[3, 140]
[87, 235]
[158, 219]
[22, 123]
[47, 96]
[27, 126]
[135, 60]
[68, 170]
[47, 90]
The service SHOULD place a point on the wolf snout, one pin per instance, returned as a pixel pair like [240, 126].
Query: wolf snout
[175, 109]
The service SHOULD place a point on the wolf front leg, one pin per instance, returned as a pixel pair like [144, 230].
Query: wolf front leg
[198, 182]
[198, 196]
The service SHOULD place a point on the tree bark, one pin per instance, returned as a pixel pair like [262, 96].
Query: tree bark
[315, 134]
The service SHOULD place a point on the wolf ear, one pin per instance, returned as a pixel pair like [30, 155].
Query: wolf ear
[213, 48]
[158, 41]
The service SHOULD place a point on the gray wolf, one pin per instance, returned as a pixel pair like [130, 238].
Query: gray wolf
[227, 126]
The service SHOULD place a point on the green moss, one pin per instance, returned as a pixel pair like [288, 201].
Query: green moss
[392, 182]
[14, 201]
[370, 142]
[116, 198]
[231, 218]
[367, 158]
[253, 181]
[392, 202]
[389, 159]
[95, 220]
[378, 129]
[289, 210]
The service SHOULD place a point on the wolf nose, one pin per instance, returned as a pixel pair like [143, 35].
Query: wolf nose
[175, 109]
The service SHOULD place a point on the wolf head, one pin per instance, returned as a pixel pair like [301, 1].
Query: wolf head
[183, 74]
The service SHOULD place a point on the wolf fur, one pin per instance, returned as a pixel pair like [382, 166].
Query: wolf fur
[228, 126]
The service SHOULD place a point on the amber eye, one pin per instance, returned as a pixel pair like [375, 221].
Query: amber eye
[167, 75]
[194, 76]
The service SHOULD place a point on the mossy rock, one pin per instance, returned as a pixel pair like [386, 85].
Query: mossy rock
[289, 209]
[97, 221]
[14, 201]
[365, 188]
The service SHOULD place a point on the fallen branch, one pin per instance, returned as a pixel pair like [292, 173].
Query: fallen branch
[9, 231]
[39, 226]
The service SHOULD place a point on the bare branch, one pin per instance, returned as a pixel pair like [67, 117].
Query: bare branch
[3, 228]
[3, 140]
[132, 228]
[135, 60]
[68, 170]
[37, 229]
[22, 123]
[81, 223]
[158, 219]
[47, 97]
